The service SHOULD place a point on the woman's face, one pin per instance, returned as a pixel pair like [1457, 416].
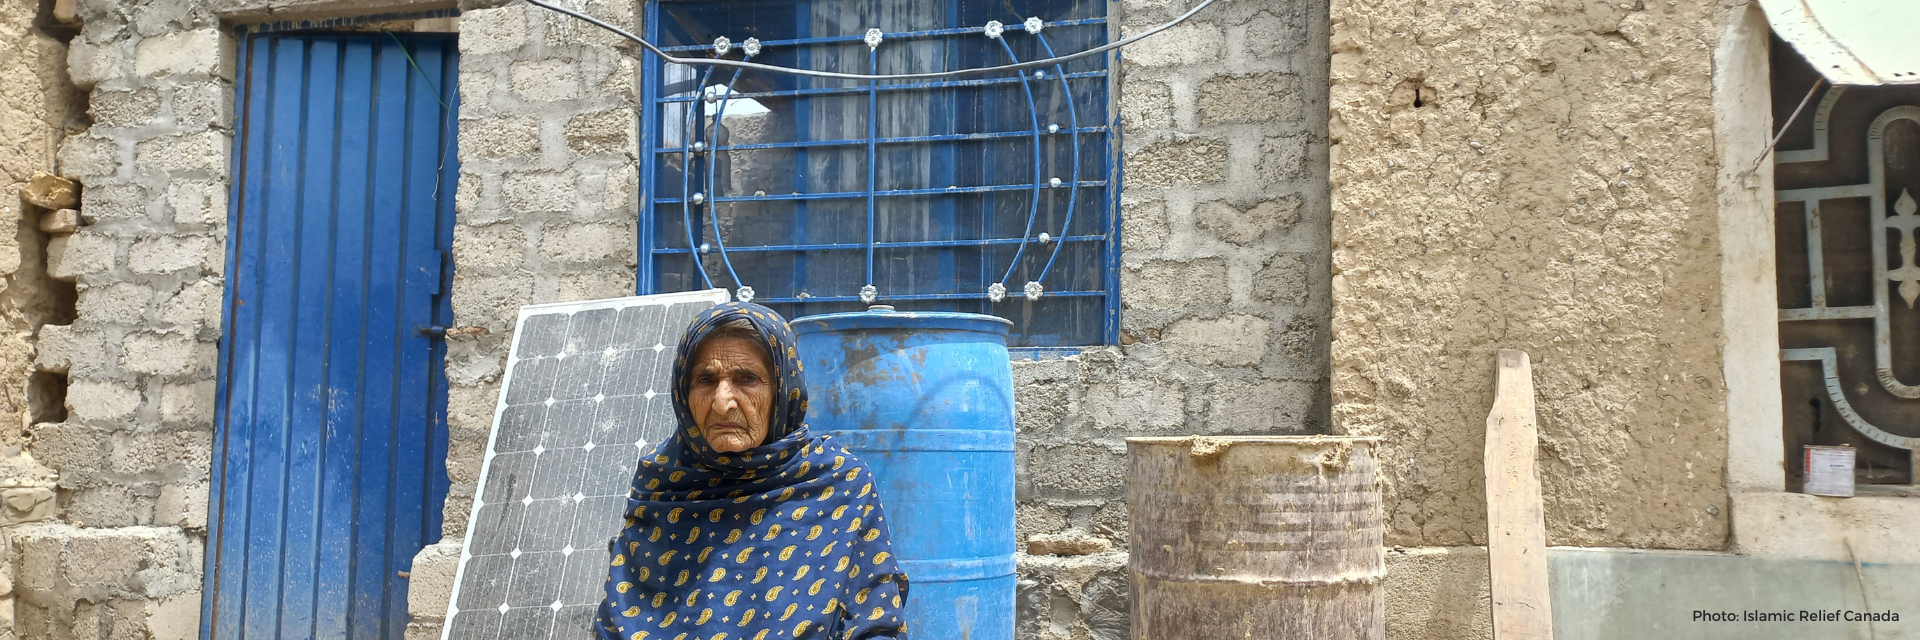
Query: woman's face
[731, 394]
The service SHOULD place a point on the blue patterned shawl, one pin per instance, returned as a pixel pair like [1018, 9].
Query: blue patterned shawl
[786, 540]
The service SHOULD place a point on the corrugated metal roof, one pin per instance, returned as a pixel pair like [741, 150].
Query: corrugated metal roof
[1857, 42]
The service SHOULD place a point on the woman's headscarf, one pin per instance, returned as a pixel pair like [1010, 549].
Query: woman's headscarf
[783, 541]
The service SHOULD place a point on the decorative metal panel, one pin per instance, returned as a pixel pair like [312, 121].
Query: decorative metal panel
[1848, 282]
[330, 451]
[587, 392]
[979, 194]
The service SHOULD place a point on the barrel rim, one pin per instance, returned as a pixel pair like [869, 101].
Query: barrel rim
[1239, 440]
[906, 320]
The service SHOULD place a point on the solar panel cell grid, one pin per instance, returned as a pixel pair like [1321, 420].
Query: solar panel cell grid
[585, 396]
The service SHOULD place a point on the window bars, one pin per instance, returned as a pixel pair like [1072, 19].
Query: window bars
[820, 195]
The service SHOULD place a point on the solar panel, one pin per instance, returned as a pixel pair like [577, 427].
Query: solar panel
[585, 395]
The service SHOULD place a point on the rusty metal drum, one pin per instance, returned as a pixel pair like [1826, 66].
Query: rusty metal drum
[1256, 538]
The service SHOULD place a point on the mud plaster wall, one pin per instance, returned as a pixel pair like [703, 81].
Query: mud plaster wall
[1539, 175]
[37, 104]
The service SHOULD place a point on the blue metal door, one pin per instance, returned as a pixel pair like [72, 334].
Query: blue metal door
[331, 437]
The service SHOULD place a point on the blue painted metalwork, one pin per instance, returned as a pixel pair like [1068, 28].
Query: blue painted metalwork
[926, 399]
[904, 34]
[883, 245]
[873, 164]
[650, 163]
[853, 195]
[921, 296]
[713, 141]
[934, 154]
[330, 464]
[686, 178]
[961, 137]
[802, 115]
[1115, 172]
[1033, 210]
[1073, 197]
[827, 91]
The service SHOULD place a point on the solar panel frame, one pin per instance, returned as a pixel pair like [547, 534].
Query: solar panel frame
[534, 560]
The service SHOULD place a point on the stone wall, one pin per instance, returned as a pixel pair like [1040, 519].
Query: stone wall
[1223, 285]
[1536, 175]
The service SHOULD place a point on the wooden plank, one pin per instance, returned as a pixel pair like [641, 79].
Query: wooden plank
[1516, 522]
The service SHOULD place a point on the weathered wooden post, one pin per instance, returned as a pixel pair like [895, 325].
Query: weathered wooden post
[1255, 538]
[1516, 521]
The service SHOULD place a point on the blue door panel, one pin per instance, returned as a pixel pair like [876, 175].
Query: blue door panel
[331, 470]
[351, 259]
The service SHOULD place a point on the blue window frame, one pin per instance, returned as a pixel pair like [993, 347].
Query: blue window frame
[926, 195]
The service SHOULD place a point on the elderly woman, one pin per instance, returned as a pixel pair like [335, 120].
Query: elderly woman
[743, 526]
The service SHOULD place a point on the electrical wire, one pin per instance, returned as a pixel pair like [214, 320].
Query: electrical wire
[721, 62]
[1783, 128]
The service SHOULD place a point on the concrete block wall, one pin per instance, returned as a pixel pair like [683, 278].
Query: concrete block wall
[134, 451]
[140, 354]
[124, 582]
[1224, 280]
[546, 211]
[1223, 283]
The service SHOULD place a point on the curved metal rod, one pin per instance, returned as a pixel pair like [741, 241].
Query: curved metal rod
[686, 179]
[1033, 210]
[713, 162]
[1073, 197]
[873, 131]
[1829, 373]
[1036, 64]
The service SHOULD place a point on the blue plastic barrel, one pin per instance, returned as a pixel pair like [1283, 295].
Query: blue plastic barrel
[926, 399]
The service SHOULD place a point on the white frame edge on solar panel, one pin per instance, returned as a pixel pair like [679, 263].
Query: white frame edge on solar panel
[722, 295]
[713, 296]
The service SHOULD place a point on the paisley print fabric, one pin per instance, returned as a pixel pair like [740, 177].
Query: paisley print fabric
[787, 540]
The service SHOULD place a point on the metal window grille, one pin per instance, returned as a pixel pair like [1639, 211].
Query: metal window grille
[986, 194]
